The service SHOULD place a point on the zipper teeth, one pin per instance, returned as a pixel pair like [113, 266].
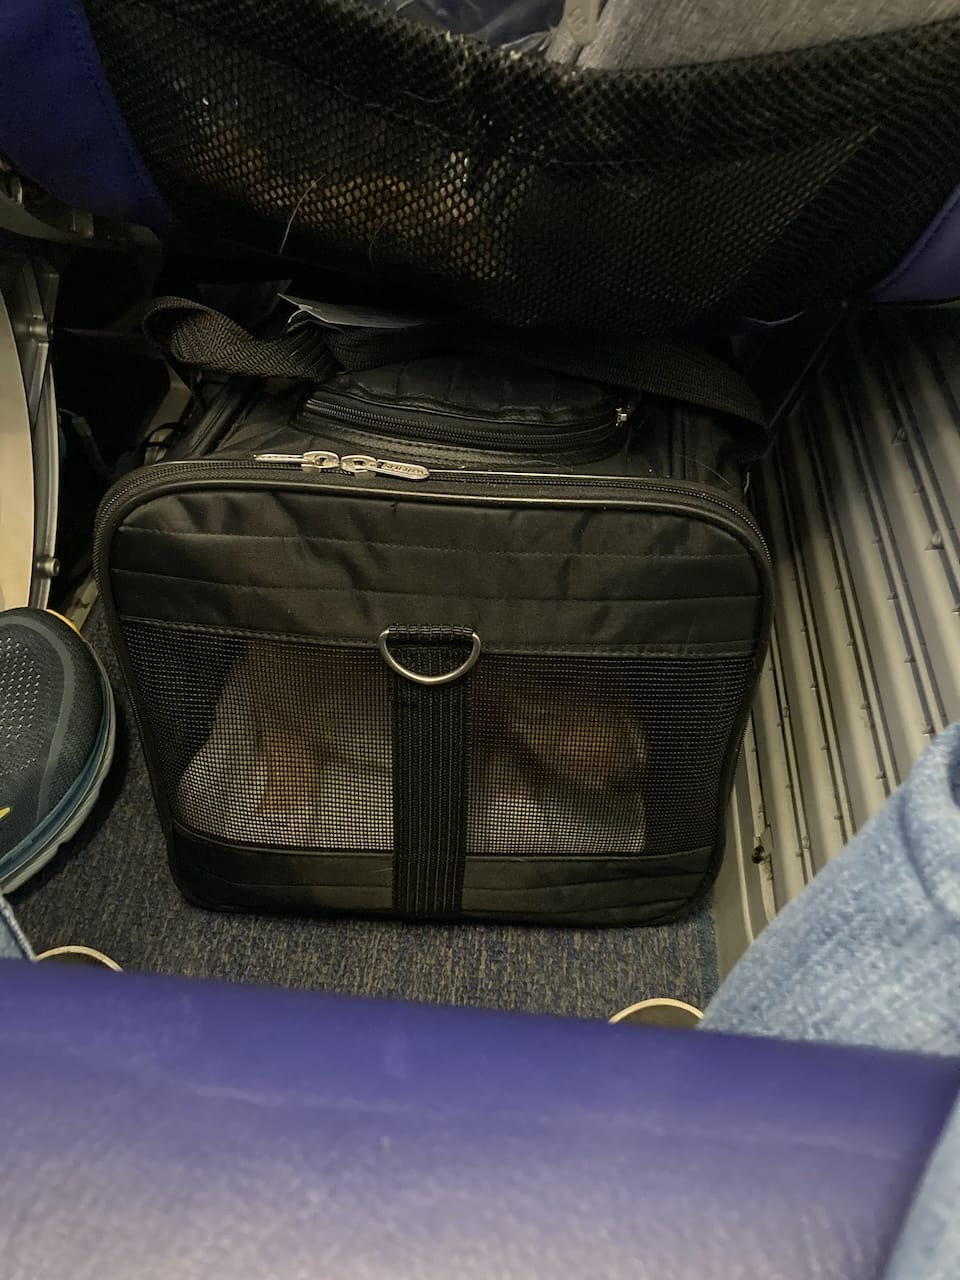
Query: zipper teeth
[493, 478]
[545, 438]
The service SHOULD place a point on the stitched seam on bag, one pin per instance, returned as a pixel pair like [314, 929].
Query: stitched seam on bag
[745, 650]
[559, 860]
[640, 904]
[423, 546]
[466, 597]
[669, 873]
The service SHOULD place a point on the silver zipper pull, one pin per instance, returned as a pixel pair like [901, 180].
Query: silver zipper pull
[402, 470]
[356, 463]
[320, 460]
[582, 18]
[353, 464]
[313, 460]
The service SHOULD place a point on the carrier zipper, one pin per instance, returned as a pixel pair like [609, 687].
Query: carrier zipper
[115, 502]
[408, 423]
[351, 464]
[362, 463]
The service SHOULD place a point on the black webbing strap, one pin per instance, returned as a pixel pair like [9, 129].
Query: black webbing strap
[659, 366]
[196, 335]
[429, 776]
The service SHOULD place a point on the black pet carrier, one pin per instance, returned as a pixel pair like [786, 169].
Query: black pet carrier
[451, 638]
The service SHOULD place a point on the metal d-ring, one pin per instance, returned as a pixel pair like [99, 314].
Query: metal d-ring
[469, 662]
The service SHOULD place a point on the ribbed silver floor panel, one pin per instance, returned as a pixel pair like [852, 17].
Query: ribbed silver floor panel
[861, 504]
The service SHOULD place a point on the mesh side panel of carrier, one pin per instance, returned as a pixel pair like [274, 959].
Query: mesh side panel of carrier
[268, 742]
[289, 744]
[599, 757]
[532, 194]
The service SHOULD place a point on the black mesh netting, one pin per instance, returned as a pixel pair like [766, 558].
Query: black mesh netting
[599, 756]
[532, 194]
[269, 742]
[276, 742]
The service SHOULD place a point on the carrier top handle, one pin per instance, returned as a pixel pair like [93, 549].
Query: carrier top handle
[196, 335]
[429, 701]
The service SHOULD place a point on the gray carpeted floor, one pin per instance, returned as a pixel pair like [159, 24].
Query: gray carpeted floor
[111, 889]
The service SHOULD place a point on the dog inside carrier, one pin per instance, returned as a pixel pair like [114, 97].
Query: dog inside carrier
[478, 489]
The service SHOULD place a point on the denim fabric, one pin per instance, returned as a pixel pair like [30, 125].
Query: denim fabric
[870, 952]
[929, 1244]
[13, 945]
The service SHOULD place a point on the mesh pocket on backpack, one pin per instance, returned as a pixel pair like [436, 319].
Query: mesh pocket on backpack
[618, 202]
[289, 744]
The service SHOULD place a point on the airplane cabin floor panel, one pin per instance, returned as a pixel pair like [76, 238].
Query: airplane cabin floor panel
[860, 500]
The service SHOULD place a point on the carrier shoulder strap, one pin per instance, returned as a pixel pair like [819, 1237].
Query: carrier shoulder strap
[197, 335]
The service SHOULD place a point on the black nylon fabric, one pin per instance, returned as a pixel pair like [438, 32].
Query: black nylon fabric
[500, 391]
[578, 891]
[661, 439]
[429, 803]
[622, 615]
[660, 366]
[624, 203]
[544, 576]
[196, 335]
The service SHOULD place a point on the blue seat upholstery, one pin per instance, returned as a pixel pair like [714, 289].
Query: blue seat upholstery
[59, 122]
[170, 1128]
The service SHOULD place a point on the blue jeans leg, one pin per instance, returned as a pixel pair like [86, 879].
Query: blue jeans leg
[869, 953]
[13, 944]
